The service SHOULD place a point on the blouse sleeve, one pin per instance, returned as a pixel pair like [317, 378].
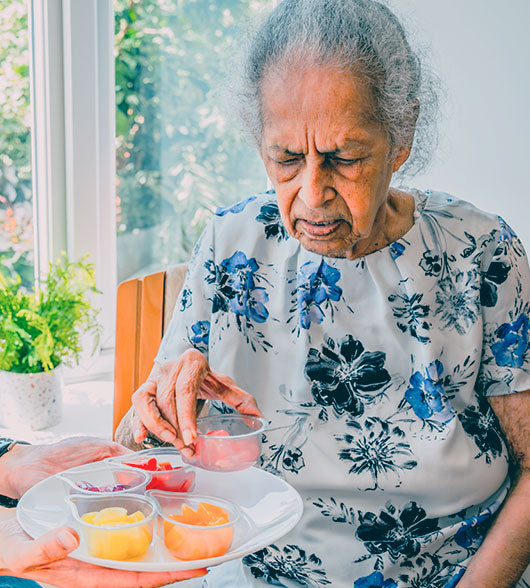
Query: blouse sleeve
[190, 324]
[505, 299]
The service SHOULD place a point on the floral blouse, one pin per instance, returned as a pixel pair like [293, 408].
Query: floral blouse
[374, 374]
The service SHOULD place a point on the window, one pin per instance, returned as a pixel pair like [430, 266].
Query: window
[178, 157]
[16, 213]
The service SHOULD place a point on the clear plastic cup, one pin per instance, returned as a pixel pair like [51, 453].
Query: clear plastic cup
[103, 476]
[115, 541]
[195, 541]
[179, 479]
[227, 442]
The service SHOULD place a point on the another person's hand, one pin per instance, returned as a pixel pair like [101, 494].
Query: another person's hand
[165, 404]
[44, 560]
[25, 465]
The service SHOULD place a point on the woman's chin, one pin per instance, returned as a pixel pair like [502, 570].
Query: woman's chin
[324, 247]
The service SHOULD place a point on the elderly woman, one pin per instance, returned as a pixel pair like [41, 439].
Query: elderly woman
[383, 332]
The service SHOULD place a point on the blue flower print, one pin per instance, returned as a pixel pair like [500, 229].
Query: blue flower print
[426, 395]
[251, 303]
[473, 531]
[236, 291]
[316, 285]
[375, 580]
[235, 208]
[512, 346]
[201, 334]
[396, 249]
[248, 299]
[269, 215]
[506, 234]
[453, 582]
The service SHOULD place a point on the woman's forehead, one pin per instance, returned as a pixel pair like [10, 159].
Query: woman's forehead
[318, 100]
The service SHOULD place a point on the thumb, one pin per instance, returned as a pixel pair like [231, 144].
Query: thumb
[21, 553]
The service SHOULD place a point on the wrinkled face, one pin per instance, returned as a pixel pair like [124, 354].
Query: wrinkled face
[328, 159]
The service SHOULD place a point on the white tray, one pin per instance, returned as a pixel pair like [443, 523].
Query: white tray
[271, 508]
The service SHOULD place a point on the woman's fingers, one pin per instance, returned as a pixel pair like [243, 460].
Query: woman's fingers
[145, 406]
[69, 572]
[166, 377]
[189, 380]
[217, 385]
[20, 553]
[139, 430]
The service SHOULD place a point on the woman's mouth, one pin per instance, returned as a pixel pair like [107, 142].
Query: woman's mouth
[318, 229]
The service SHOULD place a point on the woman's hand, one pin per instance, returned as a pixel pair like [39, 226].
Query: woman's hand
[44, 560]
[165, 404]
[25, 465]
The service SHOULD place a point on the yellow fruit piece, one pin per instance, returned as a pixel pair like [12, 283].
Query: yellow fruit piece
[110, 515]
[136, 517]
[89, 517]
[117, 543]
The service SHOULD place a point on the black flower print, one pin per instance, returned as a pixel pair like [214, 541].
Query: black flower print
[432, 572]
[293, 563]
[269, 215]
[293, 460]
[375, 447]
[458, 301]
[347, 377]
[497, 274]
[338, 512]
[431, 263]
[185, 299]
[287, 455]
[481, 424]
[397, 533]
[411, 314]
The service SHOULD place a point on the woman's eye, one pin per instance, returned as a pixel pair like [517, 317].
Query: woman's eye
[287, 161]
[342, 161]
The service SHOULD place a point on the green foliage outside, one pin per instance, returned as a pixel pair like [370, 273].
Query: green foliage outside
[42, 330]
[16, 231]
[178, 156]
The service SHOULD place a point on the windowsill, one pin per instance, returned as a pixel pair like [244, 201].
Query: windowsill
[87, 410]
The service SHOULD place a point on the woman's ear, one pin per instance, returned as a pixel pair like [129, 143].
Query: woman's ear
[404, 152]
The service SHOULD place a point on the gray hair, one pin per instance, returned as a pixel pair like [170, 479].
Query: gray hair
[362, 36]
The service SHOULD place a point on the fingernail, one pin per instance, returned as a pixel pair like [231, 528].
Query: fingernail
[67, 540]
[187, 452]
[187, 436]
[167, 436]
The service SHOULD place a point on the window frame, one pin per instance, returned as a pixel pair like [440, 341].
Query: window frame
[73, 147]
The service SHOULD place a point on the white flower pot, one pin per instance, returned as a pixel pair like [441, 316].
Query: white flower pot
[31, 400]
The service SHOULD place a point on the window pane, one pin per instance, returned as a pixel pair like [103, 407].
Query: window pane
[177, 158]
[16, 214]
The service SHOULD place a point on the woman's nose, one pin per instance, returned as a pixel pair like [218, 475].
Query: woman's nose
[317, 186]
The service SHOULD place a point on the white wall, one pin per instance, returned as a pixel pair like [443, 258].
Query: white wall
[481, 51]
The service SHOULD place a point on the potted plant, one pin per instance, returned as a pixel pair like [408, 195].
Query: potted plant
[39, 332]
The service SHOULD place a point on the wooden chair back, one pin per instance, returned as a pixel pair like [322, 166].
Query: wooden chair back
[144, 309]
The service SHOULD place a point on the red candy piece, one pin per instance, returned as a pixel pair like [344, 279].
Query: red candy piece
[219, 433]
[225, 454]
[151, 465]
